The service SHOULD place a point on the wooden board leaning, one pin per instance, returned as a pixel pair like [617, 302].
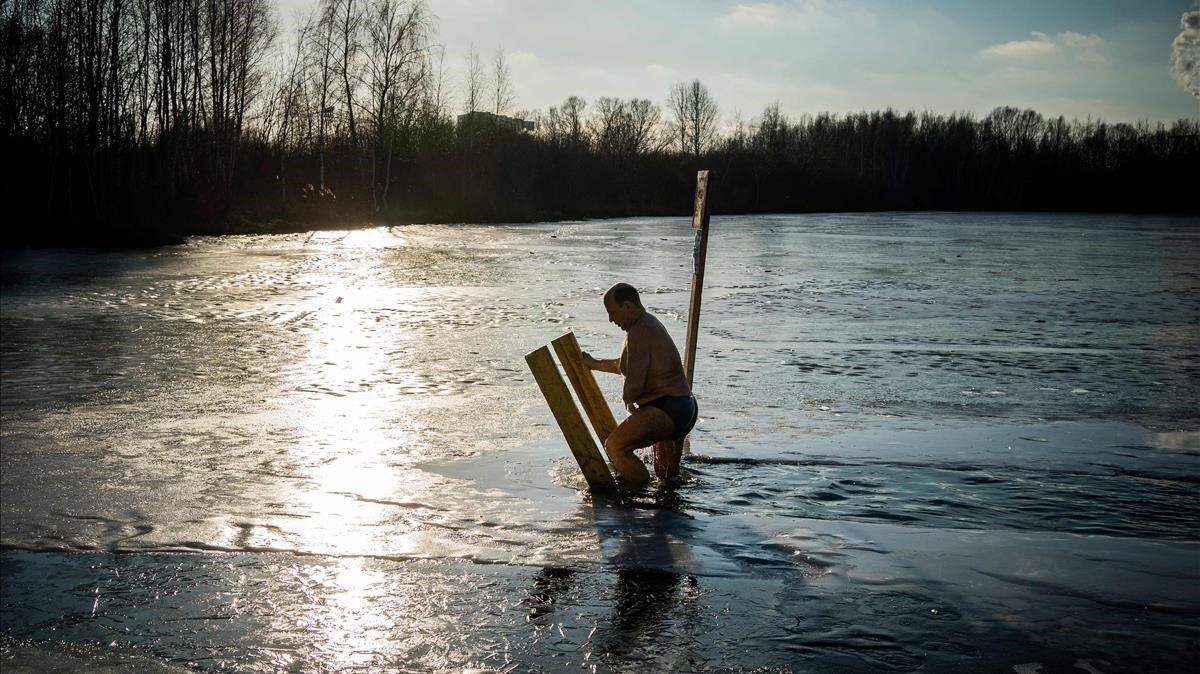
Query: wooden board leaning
[584, 383]
[578, 437]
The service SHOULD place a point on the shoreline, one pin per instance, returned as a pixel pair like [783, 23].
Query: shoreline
[132, 238]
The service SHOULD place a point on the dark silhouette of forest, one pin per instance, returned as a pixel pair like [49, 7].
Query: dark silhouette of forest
[138, 121]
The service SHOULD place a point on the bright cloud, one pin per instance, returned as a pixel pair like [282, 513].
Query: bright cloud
[770, 15]
[1084, 47]
[757, 15]
[1185, 57]
[1040, 45]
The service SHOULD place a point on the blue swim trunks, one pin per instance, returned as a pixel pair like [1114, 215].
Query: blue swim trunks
[683, 412]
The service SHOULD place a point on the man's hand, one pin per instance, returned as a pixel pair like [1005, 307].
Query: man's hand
[589, 361]
[631, 407]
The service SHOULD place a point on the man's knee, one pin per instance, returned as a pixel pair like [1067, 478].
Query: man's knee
[612, 446]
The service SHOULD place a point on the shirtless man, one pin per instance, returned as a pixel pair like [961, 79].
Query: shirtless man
[656, 392]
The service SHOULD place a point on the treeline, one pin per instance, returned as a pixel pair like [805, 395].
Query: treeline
[1009, 160]
[122, 115]
[137, 120]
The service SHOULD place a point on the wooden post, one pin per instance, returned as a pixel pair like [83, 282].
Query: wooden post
[584, 383]
[587, 455]
[699, 250]
[669, 453]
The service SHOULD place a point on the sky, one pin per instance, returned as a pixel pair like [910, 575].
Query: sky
[1103, 59]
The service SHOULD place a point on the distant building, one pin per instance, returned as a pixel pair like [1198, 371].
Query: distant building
[484, 120]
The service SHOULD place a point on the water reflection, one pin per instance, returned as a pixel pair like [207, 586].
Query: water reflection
[548, 585]
[655, 612]
[355, 632]
[350, 427]
[654, 618]
[350, 448]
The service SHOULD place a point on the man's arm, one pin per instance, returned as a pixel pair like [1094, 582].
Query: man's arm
[612, 365]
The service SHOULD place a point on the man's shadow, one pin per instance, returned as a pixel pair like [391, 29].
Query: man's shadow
[650, 534]
[649, 544]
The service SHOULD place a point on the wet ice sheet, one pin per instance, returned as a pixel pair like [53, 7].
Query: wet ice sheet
[266, 392]
[709, 594]
[1013, 384]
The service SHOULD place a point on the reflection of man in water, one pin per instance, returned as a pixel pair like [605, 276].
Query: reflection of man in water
[656, 392]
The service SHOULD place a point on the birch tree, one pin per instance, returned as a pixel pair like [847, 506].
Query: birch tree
[502, 91]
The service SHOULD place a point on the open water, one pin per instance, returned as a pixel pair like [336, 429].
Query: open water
[944, 441]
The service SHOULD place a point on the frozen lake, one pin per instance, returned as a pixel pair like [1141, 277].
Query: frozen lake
[952, 440]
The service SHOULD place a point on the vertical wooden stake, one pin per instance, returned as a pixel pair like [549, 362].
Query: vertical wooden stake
[668, 453]
[699, 251]
[584, 383]
[579, 439]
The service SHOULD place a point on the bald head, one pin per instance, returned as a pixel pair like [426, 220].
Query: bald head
[621, 293]
[623, 305]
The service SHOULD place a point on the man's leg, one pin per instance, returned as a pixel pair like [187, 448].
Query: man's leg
[667, 456]
[641, 429]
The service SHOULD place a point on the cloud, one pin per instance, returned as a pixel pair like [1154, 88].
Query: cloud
[1040, 45]
[1185, 56]
[1084, 47]
[771, 15]
[1088, 48]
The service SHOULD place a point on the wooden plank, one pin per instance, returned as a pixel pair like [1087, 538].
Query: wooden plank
[699, 254]
[584, 383]
[579, 439]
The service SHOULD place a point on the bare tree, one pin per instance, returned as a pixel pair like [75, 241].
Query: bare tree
[474, 82]
[695, 114]
[625, 128]
[608, 126]
[287, 100]
[552, 127]
[645, 118]
[439, 94]
[239, 34]
[348, 28]
[502, 92]
[398, 74]
[321, 59]
[572, 112]
[773, 132]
